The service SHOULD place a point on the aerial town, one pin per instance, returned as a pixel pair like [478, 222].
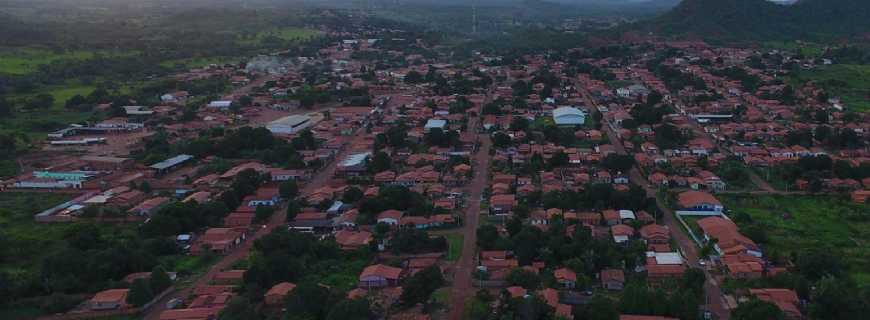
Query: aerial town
[381, 178]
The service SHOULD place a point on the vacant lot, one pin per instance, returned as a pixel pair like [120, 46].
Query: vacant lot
[793, 223]
[454, 242]
[849, 82]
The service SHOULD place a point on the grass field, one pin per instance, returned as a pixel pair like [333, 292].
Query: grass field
[454, 250]
[815, 222]
[849, 82]
[198, 62]
[21, 61]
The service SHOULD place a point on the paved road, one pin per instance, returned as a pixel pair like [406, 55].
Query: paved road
[320, 179]
[462, 286]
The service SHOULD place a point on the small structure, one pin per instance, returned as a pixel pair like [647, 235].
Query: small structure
[379, 276]
[612, 279]
[276, 295]
[109, 300]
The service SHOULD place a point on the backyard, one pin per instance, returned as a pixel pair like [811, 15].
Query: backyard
[794, 223]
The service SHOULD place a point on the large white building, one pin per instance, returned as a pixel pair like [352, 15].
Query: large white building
[289, 125]
[568, 116]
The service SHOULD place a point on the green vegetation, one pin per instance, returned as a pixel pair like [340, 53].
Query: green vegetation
[25, 240]
[792, 224]
[22, 61]
[283, 34]
[848, 81]
[806, 49]
[454, 249]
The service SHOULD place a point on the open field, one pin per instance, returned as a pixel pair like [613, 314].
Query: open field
[793, 223]
[849, 82]
[21, 61]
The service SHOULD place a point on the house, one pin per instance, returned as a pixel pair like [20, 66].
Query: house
[390, 217]
[611, 217]
[729, 239]
[170, 164]
[699, 202]
[621, 233]
[516, 292]
[785, 299]
[109, 300]
[664, 266]
[276, 295]
[353, 165]
[263, 197]
[501, 204]
[379, 276]
[655, 234]
[612, 279]
[565, 277]
[568, 116]
[149, 207]
[218, 240]
[860, 196]
[350, 240]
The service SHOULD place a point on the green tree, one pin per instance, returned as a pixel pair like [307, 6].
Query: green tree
[524, 278]
[288, 189]
[238, 308]
[487, 235]
[420, 286]
[356, 309]
[159, 280]
[140, 293]
[380, 162]
[756, 309]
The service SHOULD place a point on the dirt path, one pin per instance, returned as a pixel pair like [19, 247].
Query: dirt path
[320, 179]
[462, 288]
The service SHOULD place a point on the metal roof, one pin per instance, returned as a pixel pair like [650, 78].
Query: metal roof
[171, 162]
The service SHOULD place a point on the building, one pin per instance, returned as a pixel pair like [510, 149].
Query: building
[729, 239]
[379, 276]
[390, 217]
[220, 104]
[501, 204]
[612, 279]
[785, 299]
[276, 295]
[664, 266]
[353, 165]
[435, 124]
[149, 207]
[109, 300]
[170, 164]
[565, 278]
[699, 202]
[218, 240]
[568, 116]
[351, 240]
[289, 125]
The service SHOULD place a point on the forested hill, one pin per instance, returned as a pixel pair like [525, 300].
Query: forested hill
[735, 20]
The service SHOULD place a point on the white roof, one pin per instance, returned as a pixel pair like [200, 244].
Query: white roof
[292, 121]
[620, 239]
[355, 159]
[436, 123]
[626, 214]
[666, 257]
[565, 111]
[220, 104]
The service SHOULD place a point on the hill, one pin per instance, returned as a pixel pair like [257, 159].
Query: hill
[731, 20]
